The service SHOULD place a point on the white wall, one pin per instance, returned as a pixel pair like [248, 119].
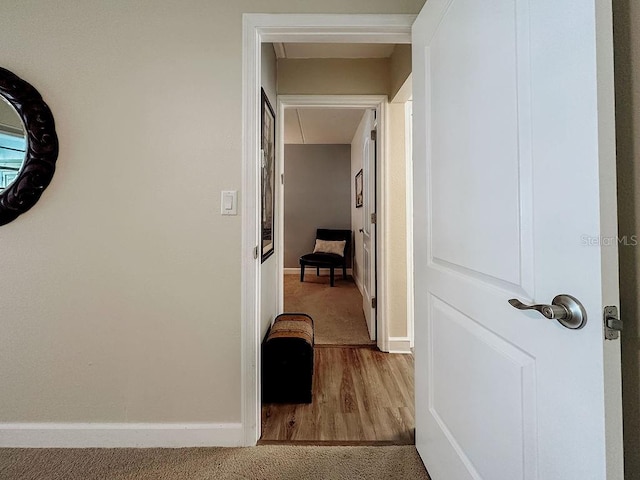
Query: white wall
[121, 287]
[269, 269]
[357, 160]
[395, 235]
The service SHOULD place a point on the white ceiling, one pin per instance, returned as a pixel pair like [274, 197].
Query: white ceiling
[332, 126]
[333, 50]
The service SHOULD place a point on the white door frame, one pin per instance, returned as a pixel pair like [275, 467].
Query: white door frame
[379, 103]
[405, 96]
[258, 28]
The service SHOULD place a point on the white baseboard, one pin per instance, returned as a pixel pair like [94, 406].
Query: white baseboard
[120, 435]
[358, 284]
[399, 345]
[296, 271]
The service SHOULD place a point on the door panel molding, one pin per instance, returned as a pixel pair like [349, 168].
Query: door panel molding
[504, 259]
[557, 173]
[458, 345]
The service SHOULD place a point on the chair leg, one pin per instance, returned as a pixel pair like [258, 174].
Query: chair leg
[331, 276]
[317, 271]
[344, 272]
[302, 272]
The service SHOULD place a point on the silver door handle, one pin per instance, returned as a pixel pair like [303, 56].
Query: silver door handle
[564, 308]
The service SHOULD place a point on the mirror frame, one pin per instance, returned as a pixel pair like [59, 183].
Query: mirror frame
[42, 147]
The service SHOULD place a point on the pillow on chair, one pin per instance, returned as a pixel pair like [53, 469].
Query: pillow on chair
[330, 246]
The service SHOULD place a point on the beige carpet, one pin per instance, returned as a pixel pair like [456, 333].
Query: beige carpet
[336, 312]
[256, 463]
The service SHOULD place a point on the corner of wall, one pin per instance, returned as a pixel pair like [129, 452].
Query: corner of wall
[399, 68]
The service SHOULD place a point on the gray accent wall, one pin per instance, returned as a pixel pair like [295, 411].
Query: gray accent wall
[317, 194]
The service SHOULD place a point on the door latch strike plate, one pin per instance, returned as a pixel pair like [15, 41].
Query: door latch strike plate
[612, 323]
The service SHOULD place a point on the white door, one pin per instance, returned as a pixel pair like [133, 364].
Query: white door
[368, 226]
[514, 187]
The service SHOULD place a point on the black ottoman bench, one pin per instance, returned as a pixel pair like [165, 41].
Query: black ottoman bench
[287, 360]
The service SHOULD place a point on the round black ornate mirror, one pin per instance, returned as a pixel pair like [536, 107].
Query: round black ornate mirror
[28, 146]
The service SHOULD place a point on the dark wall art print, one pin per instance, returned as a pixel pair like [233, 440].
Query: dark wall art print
[359, 195]
[268, 161]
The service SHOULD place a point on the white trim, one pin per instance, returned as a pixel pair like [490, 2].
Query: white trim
[383, 263]
[279, 238]
[400, 345]
[333, 28]
[358, 284]
[120, 435]
[408, 131]
[250, 297]
[259, 28]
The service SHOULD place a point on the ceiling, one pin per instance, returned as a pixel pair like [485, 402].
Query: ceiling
[333, 50]
[332, 126]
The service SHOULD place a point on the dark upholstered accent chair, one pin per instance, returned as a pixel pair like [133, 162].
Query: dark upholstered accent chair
[328, 260]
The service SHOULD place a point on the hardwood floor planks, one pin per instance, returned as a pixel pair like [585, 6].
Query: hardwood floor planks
[360, 396]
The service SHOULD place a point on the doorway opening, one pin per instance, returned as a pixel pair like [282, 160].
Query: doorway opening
[355, 115]
[323, 160]
[328, 158]
[273, 28]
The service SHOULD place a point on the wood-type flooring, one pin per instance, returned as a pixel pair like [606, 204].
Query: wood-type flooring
[361, 396]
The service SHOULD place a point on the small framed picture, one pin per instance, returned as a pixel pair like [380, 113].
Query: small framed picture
[359, 189]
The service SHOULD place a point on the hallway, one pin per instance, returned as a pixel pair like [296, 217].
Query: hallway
[336, 311]
[361, 396]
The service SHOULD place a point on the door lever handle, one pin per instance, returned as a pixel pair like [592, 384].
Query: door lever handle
[564, 308]
[549, 311]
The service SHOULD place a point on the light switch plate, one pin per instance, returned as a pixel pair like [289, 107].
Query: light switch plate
[229, 202]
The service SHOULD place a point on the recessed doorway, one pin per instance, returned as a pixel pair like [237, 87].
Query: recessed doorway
[389, 29]
[361, 395]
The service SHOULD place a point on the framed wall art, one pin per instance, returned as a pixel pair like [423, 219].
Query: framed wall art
[359, 196]
[268, 161]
